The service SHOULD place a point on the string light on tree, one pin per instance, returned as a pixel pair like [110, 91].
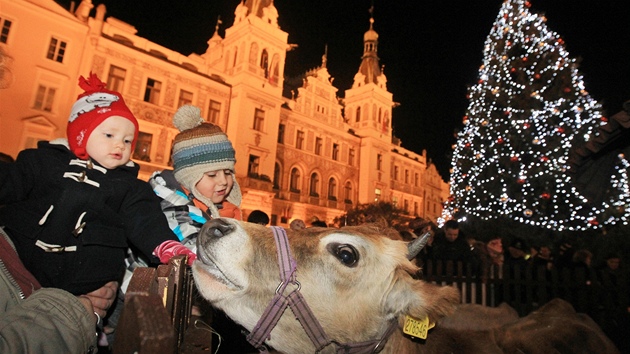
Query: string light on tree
[527, 109]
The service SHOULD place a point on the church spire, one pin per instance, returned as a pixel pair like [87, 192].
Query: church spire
[370, 68]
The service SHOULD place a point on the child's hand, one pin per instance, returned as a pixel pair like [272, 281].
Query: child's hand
[170, 249]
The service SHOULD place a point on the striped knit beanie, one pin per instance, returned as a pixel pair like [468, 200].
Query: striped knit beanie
[201, 147]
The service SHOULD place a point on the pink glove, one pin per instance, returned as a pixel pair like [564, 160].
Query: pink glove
[170, 249]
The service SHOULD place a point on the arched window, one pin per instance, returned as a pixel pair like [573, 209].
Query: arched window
[235, 56]
[332, 189]
[314, 186]
[295, 180]
[275, 70]
[358, 117]
[264, 62]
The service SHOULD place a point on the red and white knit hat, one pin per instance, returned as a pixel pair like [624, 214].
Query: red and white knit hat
[91, 108]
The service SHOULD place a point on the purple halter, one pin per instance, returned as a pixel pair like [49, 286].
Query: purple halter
[303, 313]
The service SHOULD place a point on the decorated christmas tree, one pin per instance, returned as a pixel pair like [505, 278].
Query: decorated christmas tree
[527, 109]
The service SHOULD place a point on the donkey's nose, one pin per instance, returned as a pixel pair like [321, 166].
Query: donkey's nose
[217, 228]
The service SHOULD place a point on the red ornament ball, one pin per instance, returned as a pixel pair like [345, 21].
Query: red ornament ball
[567, 89]
[545, 195]
[560, 130]
[513, 70]
[537, 76]
[514, 158]
[604, 119]
[500, 141]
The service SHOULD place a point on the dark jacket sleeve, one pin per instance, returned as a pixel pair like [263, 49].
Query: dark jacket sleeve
[16, 178]
[150, 227]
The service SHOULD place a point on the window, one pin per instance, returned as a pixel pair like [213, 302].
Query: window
[299, 140]
[185, 97]
[415, 208]
[406, 205]
[294, 184]
[214, 109]
[377, 194]
[56, 50]
[281, 131]
[276, 176]
[252, 167]
[152, 91]
[318, 146]
[358, 116]
[335, 152]
[142, 151]
[44, 98]
[116, 78]
[274, 74]
[259, 119]
[351, 155]
[395, 173]
[264, 62]
[406, 176]
[4, 31]
[416, 179]
[379, 162]
[253, 53]
[314, 186]
[332, 189]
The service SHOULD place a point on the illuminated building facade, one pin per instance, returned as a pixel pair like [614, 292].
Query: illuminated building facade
[310, 155]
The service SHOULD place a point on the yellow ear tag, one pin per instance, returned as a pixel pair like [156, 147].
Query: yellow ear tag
[417, 328]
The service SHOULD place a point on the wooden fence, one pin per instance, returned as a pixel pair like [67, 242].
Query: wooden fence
[525, 289]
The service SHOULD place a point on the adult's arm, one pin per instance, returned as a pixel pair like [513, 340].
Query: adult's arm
[49, 321]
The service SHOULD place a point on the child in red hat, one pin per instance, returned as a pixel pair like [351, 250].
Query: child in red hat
[73, 207]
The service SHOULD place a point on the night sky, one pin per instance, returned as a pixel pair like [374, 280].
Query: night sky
[431, 50]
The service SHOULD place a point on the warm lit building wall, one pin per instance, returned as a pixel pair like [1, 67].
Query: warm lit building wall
[299, 157]
[47, 44]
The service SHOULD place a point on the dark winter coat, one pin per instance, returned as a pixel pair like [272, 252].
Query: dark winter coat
[82, 213]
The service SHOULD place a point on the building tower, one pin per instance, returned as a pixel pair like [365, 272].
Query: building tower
[368, 109]
[252, 57]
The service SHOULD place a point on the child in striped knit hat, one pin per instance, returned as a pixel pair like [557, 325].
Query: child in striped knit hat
[202, 185]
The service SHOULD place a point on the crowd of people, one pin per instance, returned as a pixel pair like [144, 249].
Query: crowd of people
[605, 279]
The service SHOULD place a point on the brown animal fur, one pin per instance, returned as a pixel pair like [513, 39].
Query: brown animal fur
[237, 271]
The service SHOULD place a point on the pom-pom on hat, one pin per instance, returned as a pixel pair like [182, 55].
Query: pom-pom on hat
[91, 108]
[201, 147]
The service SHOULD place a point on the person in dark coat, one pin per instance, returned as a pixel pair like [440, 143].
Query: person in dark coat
[72, 208]
[450, 245]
